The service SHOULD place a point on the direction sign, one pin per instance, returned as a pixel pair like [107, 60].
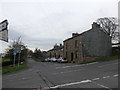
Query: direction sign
[4, 31]
[4, 35]
[17, 49]
[3, 25]
[14, 53]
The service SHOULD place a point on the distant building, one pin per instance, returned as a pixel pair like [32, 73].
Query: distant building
[92, 43]
[56, 52]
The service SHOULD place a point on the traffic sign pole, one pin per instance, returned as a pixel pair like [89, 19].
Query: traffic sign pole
[14, 60]
[18, 59]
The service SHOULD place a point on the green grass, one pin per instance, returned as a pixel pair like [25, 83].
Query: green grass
[0, 71]
[102, 59]
[5, 59]
[0, 64]
[0, 60]
[108, 58]
[11, 69]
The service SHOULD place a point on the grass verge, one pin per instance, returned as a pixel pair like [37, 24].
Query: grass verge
[11, 69]
[5, 60]
[0, 71]
[102, 59]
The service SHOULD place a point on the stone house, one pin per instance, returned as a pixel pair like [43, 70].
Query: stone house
[92, 43]
[56, 52]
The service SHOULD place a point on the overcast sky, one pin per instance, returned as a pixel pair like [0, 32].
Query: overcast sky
[42, 23]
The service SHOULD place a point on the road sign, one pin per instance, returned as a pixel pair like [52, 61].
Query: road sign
[4, 31]
[4, 35]
[17, 49]
[14, 53]
[3, 25]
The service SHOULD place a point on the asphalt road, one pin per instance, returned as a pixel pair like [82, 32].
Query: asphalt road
[47, 75]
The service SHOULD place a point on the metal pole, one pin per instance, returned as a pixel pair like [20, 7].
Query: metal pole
[14, 61]
[18, 59]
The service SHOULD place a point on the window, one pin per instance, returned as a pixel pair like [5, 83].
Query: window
[66, 45]
[66, 55]
[76, 43]
[50, 55]
[76, 54]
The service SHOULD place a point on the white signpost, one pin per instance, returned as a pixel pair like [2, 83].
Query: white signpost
[17, 49]
[3, 37]
[4, 31]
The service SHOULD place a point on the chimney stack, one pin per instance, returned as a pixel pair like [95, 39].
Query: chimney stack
[95, 25]
[60, 44]
[74, 34]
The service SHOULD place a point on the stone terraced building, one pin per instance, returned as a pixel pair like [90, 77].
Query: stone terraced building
[92, 43]
[56, 52]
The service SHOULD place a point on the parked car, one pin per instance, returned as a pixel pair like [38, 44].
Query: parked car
[61, 60]
[47, 60]
[53, 59]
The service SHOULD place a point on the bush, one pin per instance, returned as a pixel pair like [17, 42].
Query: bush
[10, 69]
[116, 51]
[7, 62]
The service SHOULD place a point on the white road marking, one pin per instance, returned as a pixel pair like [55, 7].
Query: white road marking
[96, 79]
[68, 71]
[106, 77]
[107, 65]
[26, 78]
[85, 81]
[78, 70]
[76, 65]
[115, 75]
[68, 84]
[101, 85]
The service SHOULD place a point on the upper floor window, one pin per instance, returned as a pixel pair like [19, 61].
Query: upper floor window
[76, 54]
[76, 43]
[66, 45]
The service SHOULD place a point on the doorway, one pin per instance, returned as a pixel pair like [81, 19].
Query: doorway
[72, 56]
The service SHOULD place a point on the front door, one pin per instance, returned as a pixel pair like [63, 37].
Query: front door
[72, 55]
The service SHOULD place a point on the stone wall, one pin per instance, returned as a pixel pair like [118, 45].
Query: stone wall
[72, 51]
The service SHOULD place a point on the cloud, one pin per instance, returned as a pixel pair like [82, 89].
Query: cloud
[34, 42]
[44, 24]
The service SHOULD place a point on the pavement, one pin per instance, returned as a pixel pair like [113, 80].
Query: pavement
[53, 75]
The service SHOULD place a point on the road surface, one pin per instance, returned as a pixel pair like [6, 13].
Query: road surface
[46, 75]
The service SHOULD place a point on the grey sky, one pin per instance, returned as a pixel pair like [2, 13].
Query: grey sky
[42, 24]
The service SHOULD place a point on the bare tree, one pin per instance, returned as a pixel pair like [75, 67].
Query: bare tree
[110, 26]
[13, 45]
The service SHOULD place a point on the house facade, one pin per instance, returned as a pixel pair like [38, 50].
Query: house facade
[56, 52]
[92, 43]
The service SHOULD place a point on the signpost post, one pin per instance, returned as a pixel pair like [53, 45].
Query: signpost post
[17, 49]
[3, 34]
[14, 58]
